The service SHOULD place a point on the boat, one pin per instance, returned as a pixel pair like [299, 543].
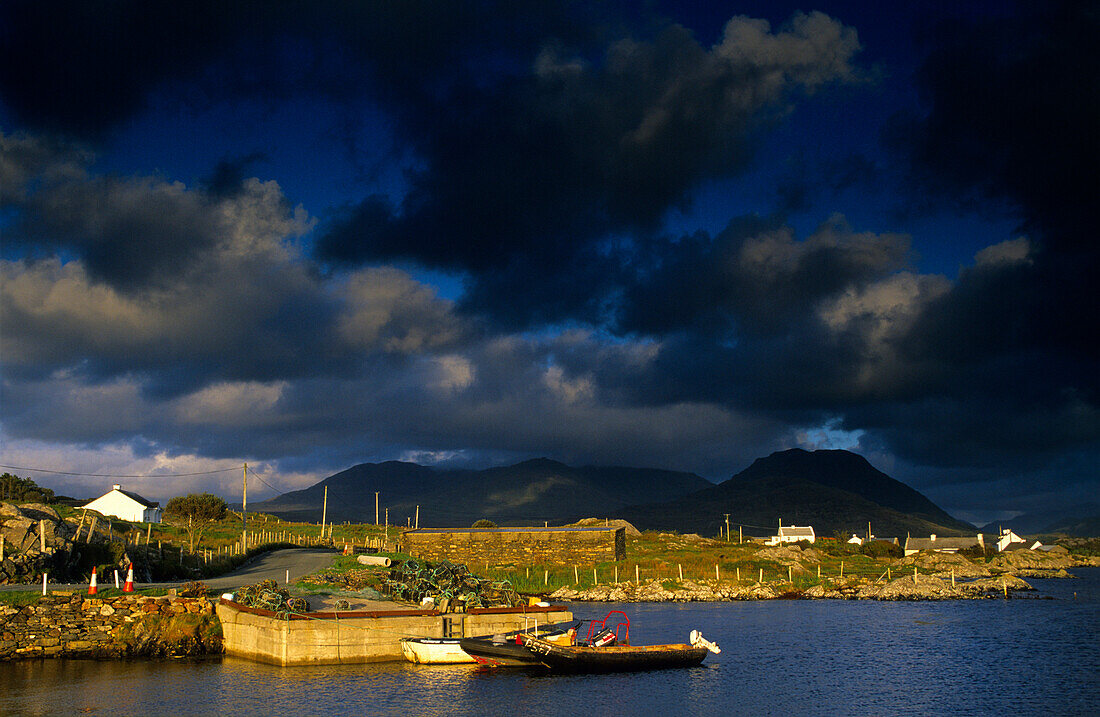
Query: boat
[506, 650]
[434, 651]
[607, 649]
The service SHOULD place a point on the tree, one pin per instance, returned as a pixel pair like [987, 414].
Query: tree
[195, 513]
[484, 523]
[23, 490]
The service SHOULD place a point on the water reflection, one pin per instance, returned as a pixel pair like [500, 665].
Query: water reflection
[781, 657]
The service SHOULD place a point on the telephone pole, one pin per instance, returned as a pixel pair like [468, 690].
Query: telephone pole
[376, 507]
[244, 509]
[727, 527]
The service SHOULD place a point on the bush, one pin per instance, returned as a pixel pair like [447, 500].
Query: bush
[484, 523]
[882, 549]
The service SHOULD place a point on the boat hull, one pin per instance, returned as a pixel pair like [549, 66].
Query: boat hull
[432, 651]
[614, 658]
[504, 651]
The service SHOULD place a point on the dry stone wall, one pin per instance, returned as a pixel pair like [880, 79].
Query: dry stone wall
[566, 546]
[76, 625]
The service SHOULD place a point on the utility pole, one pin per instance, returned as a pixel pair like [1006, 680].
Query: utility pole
[739, 540]
[244, 509]
[324, 512]
[727, 527]
[376, 507]
[417, 524]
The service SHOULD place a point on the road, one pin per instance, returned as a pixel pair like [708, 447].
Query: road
[269, 566]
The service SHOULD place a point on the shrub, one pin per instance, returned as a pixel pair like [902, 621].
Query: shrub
[484, 523]
[882, 549]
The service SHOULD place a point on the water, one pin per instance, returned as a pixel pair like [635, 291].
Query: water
[1020, 656]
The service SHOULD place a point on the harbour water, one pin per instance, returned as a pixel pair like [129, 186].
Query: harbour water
[1028, 655]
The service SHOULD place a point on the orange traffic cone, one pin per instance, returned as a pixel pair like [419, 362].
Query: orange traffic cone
[128, 587]
[91, 586]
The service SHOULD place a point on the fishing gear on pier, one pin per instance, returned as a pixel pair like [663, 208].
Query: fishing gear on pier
[414, 581]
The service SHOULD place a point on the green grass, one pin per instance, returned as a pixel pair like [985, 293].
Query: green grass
[19, 598]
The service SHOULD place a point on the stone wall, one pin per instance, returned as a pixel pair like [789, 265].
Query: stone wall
[76, 625]
[521, 546]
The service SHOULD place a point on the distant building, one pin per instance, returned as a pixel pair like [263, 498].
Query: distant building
[792, 534]
[940, 545]
[1006, 539]
[856, 540]
[127, 506]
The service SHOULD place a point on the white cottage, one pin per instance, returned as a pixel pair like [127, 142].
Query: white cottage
[792, 534]
[126, 505]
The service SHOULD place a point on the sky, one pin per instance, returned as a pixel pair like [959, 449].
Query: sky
[673, 235]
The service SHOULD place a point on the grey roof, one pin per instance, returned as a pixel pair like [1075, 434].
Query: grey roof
[940, 543]
[789, 531]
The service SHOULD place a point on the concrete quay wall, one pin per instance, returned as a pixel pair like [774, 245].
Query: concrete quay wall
[358, 637]
[76, 625]
[522, 546]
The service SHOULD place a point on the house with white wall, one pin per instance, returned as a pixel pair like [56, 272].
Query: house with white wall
[792, 534]
[940, 544]
[127, 506]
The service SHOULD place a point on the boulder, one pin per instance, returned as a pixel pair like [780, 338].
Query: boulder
[942, 564]
[589, 522]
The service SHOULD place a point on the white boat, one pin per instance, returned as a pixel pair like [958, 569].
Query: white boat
[434, 651]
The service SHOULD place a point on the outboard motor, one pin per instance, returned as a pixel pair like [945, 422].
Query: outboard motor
[604, 638]
[697, 640]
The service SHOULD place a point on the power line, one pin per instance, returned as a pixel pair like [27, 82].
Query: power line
[115, 475]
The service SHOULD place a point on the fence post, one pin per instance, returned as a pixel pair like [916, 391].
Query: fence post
[716, 572]
[680, 568]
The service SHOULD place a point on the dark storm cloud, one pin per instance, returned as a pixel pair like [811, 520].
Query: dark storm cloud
[82, 67]
[227, 179]
[755, 279]
[1007, 357]
[528, 181]
[1012, 113]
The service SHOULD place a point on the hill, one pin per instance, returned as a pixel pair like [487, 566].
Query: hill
[1081, 520]
[528, 493]
[830, 490]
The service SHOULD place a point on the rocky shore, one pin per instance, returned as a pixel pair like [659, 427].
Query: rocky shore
[923, 576]
[75, 625]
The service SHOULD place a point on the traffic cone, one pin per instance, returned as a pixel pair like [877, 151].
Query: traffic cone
[128, 587]
[91, 586]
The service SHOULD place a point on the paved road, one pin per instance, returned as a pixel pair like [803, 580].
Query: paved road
[269, 566]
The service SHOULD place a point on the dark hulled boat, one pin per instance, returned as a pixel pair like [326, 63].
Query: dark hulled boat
[606, 649]
[506, 650]
[613, 658]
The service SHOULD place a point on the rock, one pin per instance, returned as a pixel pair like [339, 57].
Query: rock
[919, 587]
[1014, 560]
[588, 522]
[943, 564]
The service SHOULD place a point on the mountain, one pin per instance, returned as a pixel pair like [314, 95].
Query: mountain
[1073, 521]
[527, 493]
[830, 490]
[1078, 527]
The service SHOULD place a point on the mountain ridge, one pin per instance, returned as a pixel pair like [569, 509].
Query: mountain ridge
[831, 490]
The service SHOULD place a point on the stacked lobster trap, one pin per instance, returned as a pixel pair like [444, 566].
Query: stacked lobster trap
[414, 581]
